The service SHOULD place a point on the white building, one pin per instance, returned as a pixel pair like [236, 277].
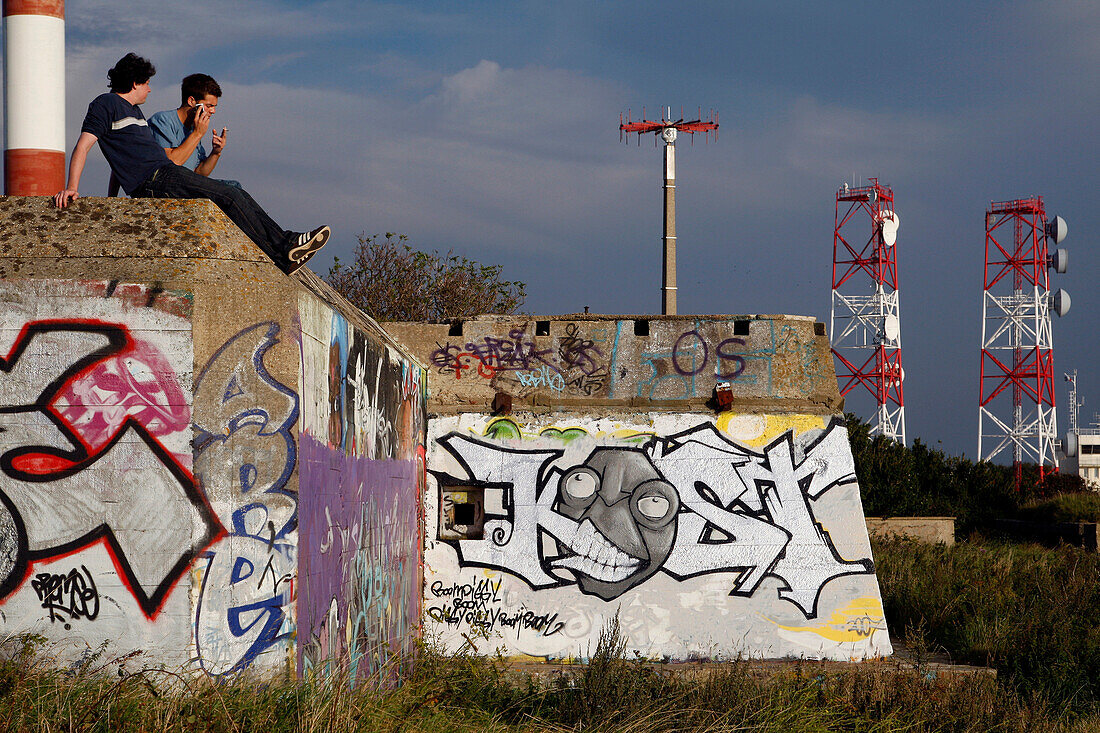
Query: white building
[1088, 455]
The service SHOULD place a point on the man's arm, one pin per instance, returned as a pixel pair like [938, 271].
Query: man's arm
[182, 152]
[84, 143]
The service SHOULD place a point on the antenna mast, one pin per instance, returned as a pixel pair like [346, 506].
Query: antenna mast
[667, 129]
[860, 322]
[1017, 341]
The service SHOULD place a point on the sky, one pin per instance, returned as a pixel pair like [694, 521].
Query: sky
[491, 129]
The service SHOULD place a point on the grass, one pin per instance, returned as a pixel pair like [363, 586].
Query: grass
[1063, 508]
[1027, 611]
[461, 693]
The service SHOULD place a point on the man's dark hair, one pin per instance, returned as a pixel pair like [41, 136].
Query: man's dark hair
[198, 86]
[131, 69]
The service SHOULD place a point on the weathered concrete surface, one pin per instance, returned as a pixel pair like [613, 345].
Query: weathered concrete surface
[923, 529]
[771, 362]
[164, 447]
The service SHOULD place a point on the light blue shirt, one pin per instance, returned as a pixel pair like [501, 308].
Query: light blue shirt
[169, 132]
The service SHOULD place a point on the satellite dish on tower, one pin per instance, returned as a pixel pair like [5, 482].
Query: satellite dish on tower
[889, 226]
[1059, 261]
[1057, 229]
[872, 196]
[891, 328]
[1069, 445]
[1059, 302]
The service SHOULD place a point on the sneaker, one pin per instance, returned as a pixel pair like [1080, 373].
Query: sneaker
[305, 246]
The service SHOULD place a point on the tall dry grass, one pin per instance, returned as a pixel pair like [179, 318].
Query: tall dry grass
[471, 693]
[1028, 611]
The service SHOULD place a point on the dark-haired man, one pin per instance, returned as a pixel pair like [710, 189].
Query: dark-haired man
[180, 131]
[144, 170]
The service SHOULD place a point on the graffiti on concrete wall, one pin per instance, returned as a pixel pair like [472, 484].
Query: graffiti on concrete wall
[577, 364]
[705, 354]
[689, 504]
[67, 596]
[480, 606]
[84, 408]
[360, 537]
[673, 360]
[361, 473]
[245, 454]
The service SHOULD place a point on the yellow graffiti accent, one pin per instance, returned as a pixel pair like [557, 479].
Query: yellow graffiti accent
[774, 426]
[506, 428]
[856, 622]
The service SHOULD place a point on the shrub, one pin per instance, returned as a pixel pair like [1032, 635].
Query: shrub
[922, 481]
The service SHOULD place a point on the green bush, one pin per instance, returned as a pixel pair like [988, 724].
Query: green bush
[1083, 507]
[896, 481]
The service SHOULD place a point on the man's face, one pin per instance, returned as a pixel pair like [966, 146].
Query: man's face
[142, 92]
[209, 101]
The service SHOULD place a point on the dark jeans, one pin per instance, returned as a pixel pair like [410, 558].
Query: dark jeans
[176, 182]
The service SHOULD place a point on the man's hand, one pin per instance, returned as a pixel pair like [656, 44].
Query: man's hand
[62, 198]
[217, 142]
[202, 120]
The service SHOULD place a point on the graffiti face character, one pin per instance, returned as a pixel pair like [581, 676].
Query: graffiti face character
[627, 515]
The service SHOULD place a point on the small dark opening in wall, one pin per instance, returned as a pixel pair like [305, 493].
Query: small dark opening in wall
[740, 328]
[456, 328]
[542, 328]
[461, 513]
[819, 328]
[465, 513]
[641, 327]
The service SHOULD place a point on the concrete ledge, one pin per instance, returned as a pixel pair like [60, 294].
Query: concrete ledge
[922, 529]
[1079, 534]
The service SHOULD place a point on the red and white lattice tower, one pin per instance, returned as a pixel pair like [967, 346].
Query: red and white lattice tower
[1016, 404]
[864, 322]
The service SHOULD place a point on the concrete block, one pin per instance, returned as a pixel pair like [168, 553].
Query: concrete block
[922, 529]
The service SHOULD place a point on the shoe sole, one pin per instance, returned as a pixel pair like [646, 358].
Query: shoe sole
[301, 253]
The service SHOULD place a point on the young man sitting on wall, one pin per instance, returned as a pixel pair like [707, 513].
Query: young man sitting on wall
[144, 170]
[180, 131]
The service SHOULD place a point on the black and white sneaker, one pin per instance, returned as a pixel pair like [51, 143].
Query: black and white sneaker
[305, 246]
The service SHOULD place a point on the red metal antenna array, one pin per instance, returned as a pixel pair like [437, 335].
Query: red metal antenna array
[667, 129]
[1017, 341]
[862, 322]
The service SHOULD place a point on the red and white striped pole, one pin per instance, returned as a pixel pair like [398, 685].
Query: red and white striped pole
[34, 97]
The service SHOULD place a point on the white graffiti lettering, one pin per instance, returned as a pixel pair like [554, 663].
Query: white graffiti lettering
[690, 504]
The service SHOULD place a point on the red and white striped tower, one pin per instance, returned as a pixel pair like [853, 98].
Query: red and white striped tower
[34, 97]
[865, 321]
[1016, 405]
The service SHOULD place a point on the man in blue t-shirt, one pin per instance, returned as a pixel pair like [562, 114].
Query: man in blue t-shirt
[180, 131]
[144, 169]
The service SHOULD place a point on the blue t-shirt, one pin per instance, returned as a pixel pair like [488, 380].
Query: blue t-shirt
[169, 132]
[125, 140]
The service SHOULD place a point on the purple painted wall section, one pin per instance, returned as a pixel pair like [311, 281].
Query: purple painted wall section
[361, 473]
[359, 538]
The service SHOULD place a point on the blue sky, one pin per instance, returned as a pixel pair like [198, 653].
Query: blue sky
[491, 128]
